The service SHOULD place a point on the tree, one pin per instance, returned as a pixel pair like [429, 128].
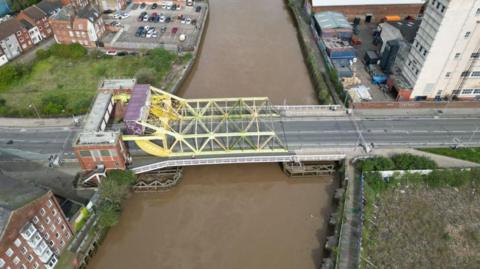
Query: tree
[378, 163]
[146, 75]
[108, 214]
[406, 161]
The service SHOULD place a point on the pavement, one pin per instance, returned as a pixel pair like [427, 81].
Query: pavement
[35, 122]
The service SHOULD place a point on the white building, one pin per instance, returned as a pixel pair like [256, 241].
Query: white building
[443, 61]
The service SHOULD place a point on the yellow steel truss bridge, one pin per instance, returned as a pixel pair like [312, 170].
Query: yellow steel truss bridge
[177, 127]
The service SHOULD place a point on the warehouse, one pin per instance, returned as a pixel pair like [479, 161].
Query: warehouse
[368, 10]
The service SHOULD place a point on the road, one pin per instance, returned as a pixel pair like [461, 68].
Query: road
[300, 133]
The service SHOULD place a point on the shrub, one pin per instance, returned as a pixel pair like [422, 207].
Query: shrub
[406, 161]
[146, 75]
[70, 51]
[108, 214]
[42, 54]
[54, 104]
[8, 74]
[377, 164]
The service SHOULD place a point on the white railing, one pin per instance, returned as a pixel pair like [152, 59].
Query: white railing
[308, 107]
[236, 160]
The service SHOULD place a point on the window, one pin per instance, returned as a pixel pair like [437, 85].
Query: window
[41, 228]
[447, 75]
[478, 12]
[16, 260]
[467, 91]
[2, 263]
[476, 91]
[24, 250]
[63, 227]
[475, 55]
[425, 53]
[54, 212]
[85, 153]
[47, 236]
[49, 203]
[456, 92]
[62, 243]
[457, 55]
[17, 242]
[105, 153]
[476, 74]
[68, 235]
[51, 243]
[465, 74]
[433, 2]
[57, 235]
[9, 252]
[442, 9]
[59, 220]
[47, 220]
[30, 258]
[52, 228]
[42, 211]
[35, 219]
[35, 265]
[467, 34]
[23, 266]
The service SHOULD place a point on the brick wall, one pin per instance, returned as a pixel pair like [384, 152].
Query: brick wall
[378, 11]
[38, 212]
[89, 156]
[43, 24]
[416, 105]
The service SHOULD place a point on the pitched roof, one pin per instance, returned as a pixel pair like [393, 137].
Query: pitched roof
[26, 24]
[65, 14]
[9, 27]
[35, 13]
[15, 194]
[50, 7]
[89, 13]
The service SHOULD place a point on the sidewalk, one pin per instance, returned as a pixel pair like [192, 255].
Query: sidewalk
[19, 122]
[418, 112]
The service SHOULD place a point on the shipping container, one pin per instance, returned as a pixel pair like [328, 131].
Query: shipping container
[137, 109]
[371, 57]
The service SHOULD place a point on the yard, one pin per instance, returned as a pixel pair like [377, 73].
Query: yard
[63, 80]
[468, 154]
[416, 221]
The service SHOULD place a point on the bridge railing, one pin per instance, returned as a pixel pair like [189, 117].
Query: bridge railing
[236, 160]
[308, 107]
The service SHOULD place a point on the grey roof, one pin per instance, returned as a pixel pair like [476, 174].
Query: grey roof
[65, 14]
[13, 195]
[35, 13]
[95, 117]
[26, 24]
[114, 84]
[50, 6]
[408, 28]
[89, 13]
[332, 20]
[9, 27]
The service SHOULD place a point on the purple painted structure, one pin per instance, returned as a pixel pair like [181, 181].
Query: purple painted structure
[137, 109]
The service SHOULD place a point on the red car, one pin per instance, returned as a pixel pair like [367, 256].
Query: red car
[174, 30]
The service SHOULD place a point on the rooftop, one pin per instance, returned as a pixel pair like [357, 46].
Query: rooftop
[332, 20]
[15, 194]
[408, 29]
[324, 3]
[95, 138]
[35, 13]
[114, 84]
[9, 27]
[50, 6]
[65, 14]
[96, 115]
[89, 13]
[26, 24]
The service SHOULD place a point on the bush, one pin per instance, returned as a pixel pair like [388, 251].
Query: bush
[54, 104]
[70, 51]
[42, 54]
[108, 215]
[146, 76]
[378, 163]
[406, 161]
[8, 74]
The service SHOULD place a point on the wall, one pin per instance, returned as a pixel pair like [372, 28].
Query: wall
[112, 162]
[416, 105]
[378, 11]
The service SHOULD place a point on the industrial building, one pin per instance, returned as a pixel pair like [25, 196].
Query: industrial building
[443, 60]
[368, 10]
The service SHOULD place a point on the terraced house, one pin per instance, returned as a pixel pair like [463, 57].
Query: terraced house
[14, 38]
[84, 27]
[37, 17]
[33, 227]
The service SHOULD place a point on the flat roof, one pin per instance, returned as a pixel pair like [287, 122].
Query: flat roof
[325, 3]
[114, 84]
[97, 112]
[96, 138]
[331, 20]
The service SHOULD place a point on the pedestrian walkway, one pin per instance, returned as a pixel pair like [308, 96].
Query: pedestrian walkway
[19, 122]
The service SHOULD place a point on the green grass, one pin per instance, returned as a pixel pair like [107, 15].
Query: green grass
[468, 154]
[65, 260]
[75, 81]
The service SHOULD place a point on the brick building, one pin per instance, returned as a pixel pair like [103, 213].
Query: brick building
[3, 57]
[78, 4]
[37, 17]
[368, 10]
[112, 4]
[50, 7]
[14, 38]
[84, 26]
[33, 32]
[33, 228]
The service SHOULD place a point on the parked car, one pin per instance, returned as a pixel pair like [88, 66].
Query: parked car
[174, 7]
[154, 6]
[122, 53]
[188, 21]
[133, 53]
[108, 11]
[189, 3]
[162, 18]
[168, 19]
[141, 16]
[143, 5]
[198, 9]
[163, 29]
[111, 52]
[174, 30]
[145, 18]
[194, 22]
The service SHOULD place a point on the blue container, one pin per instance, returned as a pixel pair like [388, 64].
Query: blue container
[379, 79]
[4, 8]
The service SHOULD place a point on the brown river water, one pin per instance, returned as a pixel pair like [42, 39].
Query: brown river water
[232, 216]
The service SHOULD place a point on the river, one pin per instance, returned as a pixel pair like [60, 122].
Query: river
[232, 216]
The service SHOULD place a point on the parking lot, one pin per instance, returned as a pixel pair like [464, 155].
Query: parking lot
[174, 28]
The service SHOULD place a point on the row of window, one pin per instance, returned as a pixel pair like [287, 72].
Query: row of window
[439, 6]
[466, 92]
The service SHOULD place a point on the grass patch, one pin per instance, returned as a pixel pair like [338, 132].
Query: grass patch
[65, 260]
[63, 80]
[468, 154]
[420, 221]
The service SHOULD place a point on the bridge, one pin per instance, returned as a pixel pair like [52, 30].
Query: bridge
[151, 129]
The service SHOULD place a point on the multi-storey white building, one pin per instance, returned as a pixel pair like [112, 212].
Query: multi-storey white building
[444, 59]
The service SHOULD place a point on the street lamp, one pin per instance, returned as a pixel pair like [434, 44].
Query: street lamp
[34, 109]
